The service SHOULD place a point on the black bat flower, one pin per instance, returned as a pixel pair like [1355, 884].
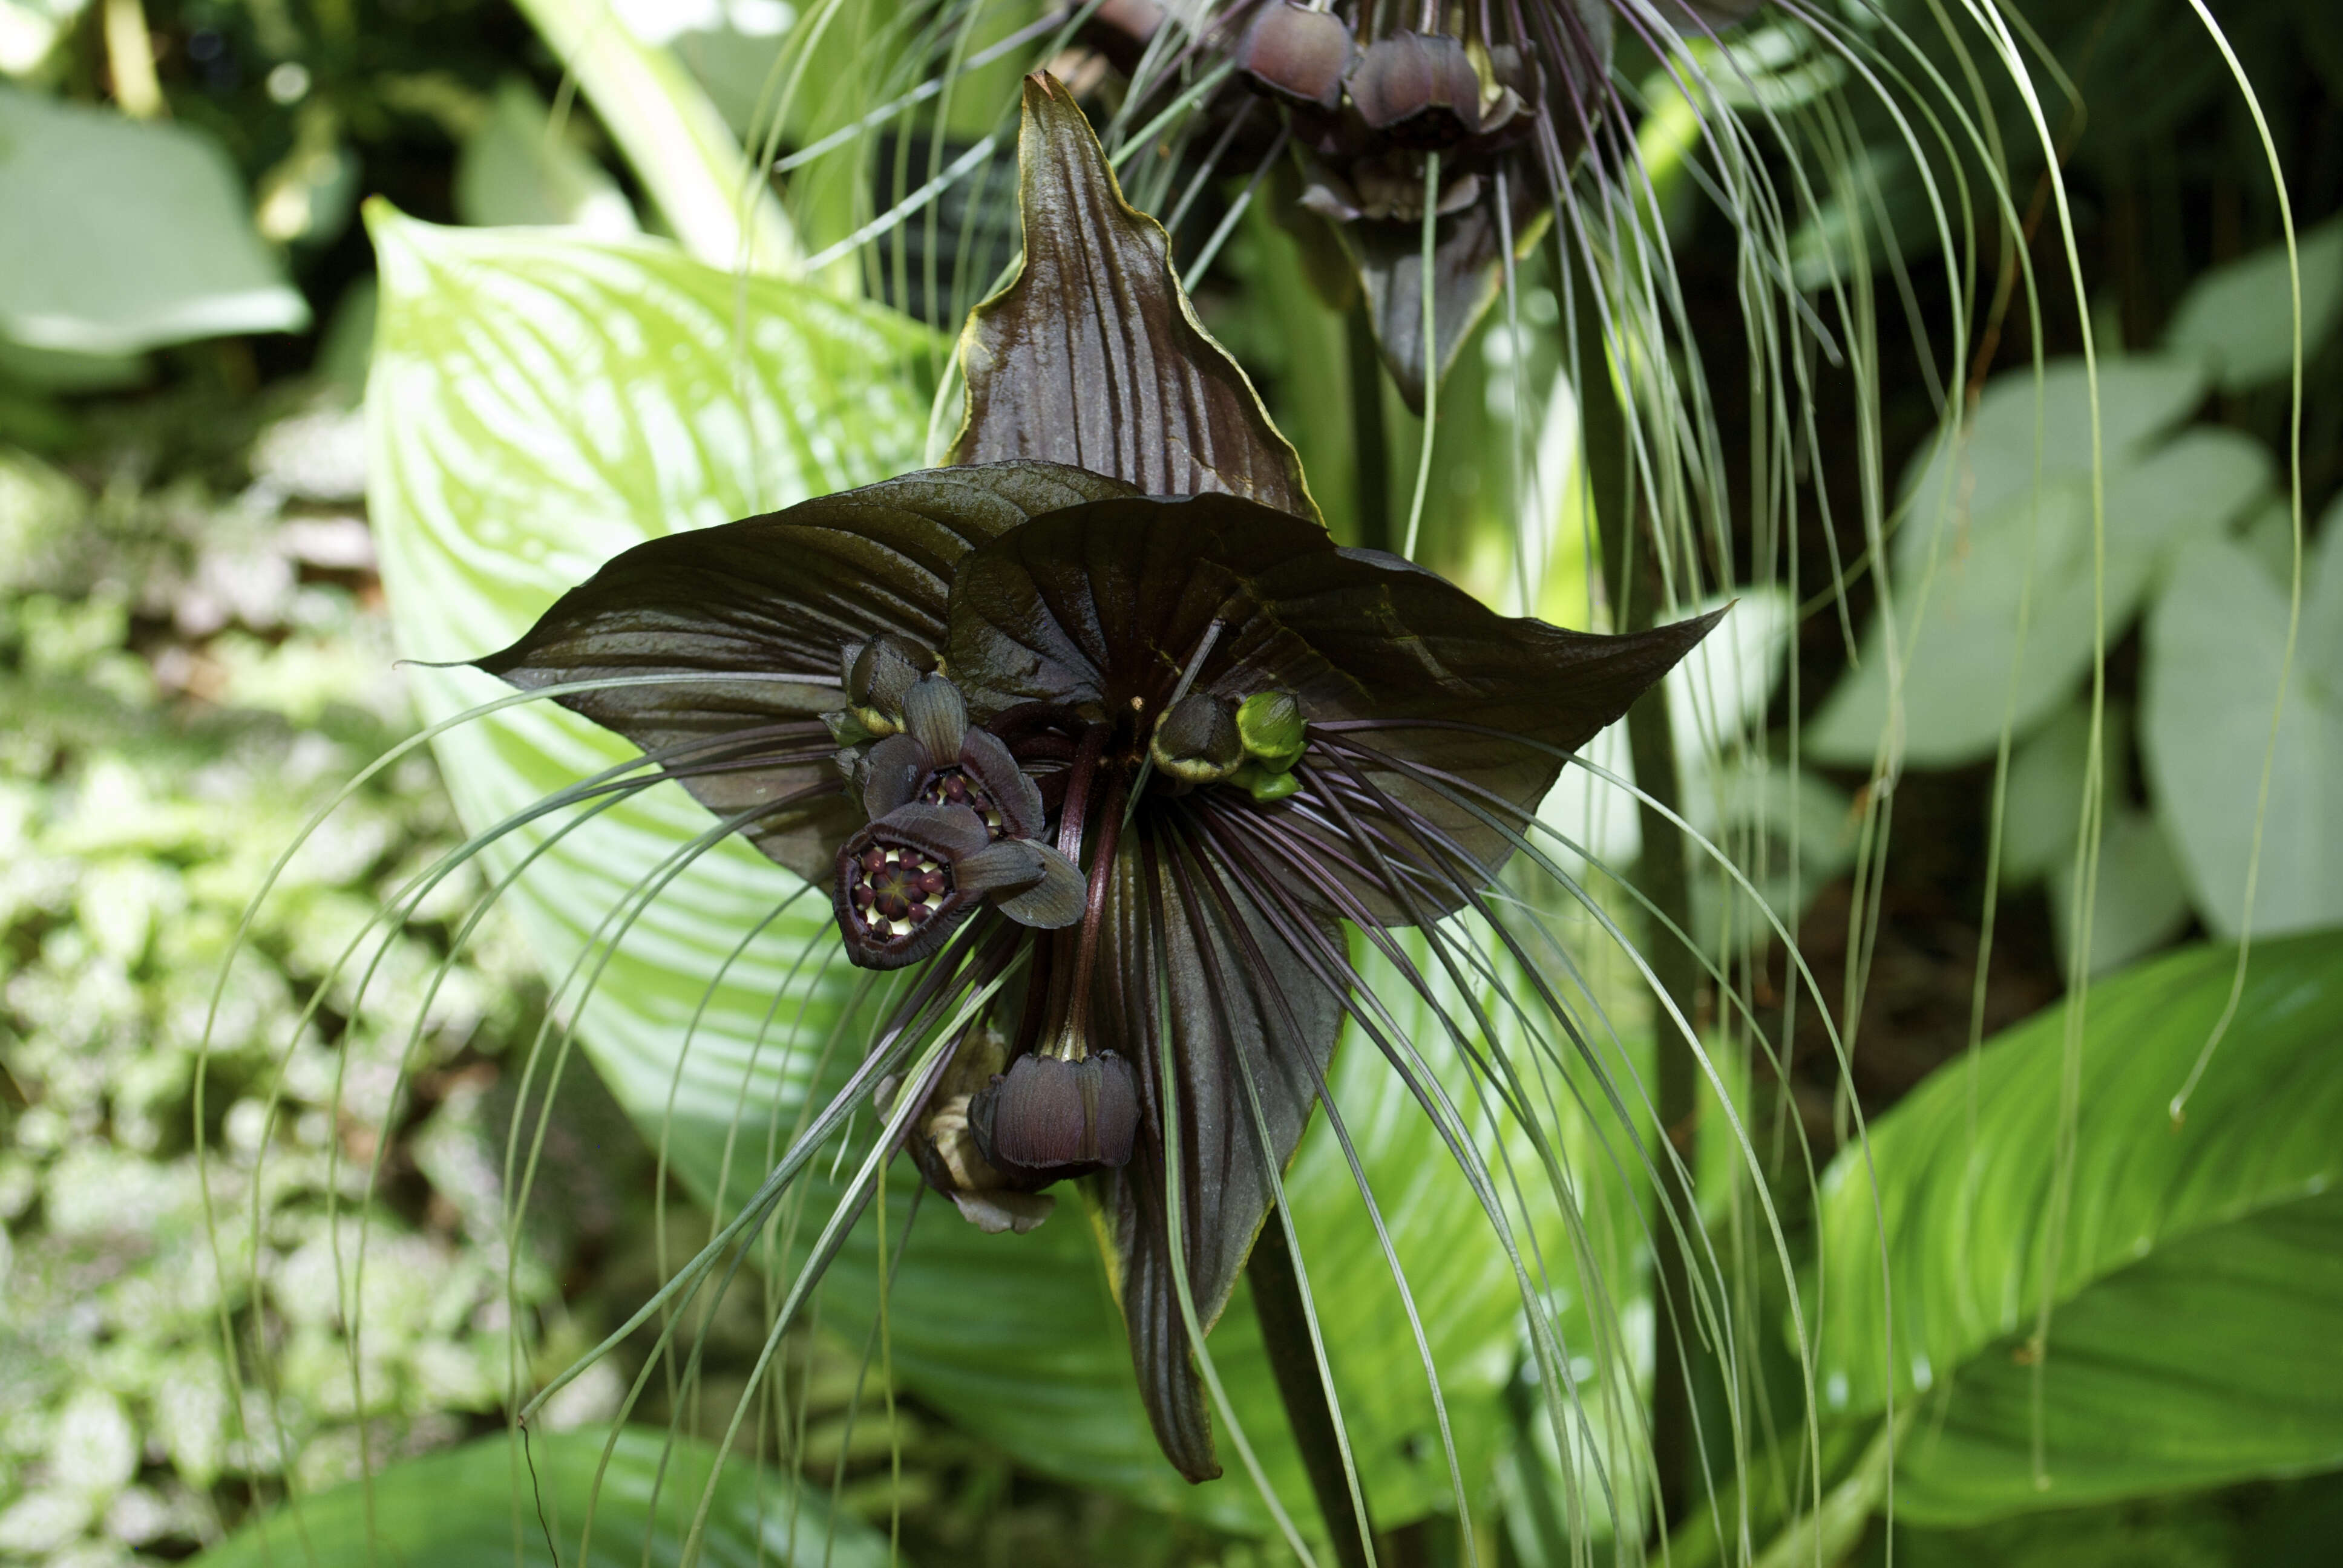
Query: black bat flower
[1101, 713]
[1479, 111]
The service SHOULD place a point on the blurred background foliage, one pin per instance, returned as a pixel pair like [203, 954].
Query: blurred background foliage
[198, 655]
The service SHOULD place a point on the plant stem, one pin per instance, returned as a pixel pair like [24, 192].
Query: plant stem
[1662, 874]
[1370, 443]
[1285, 1331]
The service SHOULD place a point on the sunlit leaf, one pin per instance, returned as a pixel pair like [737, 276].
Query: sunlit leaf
[2189, 1342]
[2138, 901]
[2216, 649]
[2209, 1361]
[2239, 318]
[169, 254]
[1998, 580]
[477, 1507]
[519, 168]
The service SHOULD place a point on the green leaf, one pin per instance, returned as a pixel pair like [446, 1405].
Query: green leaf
[2210, 1361]
[2239, 318]
[519, 168]
[169, 254]
[476, 1507]
[2139, 901]
[1997, 577]
[2042, 812]
[2216, 651]
[680, 146]
[540, 403]
[2190, 1339]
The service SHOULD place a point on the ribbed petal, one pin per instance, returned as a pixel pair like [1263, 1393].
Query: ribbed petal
[1092, 356]
[1102, 606]
[776, 596]
[1196, 981]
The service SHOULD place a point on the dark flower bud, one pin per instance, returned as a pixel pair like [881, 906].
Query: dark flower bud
[1418, 88]
[944, 1146]
[1197, 741]
[878, 674]
[1297, 52]
[1058, 1117]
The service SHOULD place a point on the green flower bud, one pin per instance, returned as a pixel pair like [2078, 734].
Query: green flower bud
[1266, 784]
[1274, 731]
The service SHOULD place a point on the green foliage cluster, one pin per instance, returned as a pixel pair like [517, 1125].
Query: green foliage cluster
[187, 675]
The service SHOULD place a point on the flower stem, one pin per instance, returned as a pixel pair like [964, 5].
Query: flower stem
[1429, 326]
[1285, 1331]
[1662, 874]
[1370, 444]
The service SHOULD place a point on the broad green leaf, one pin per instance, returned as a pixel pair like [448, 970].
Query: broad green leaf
[2138, 902]
[2042, 810]
[2216, 651]
[2211, 1361]
[1999, 579]
[518, 169]
[734, 50]
[539, 403]
[2239, 318]
[2023, 428]
[680, 149]
[476, 1507]
[1983, 1217]
[169, 254]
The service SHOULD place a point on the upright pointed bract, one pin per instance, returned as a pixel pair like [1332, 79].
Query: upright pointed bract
[1092, 357]
[1134, 723]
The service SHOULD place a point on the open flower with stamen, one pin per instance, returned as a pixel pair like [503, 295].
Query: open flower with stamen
[1100, 723]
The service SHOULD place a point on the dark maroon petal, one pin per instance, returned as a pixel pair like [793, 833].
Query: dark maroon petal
[949, 833]
[934, 715]
[1197, 981]
[1003, 866]
[1102, 608]
[893, 775]
[984, 758]
[1092, 357]
[1467, 274]
[1057, 900]
[782, 595]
